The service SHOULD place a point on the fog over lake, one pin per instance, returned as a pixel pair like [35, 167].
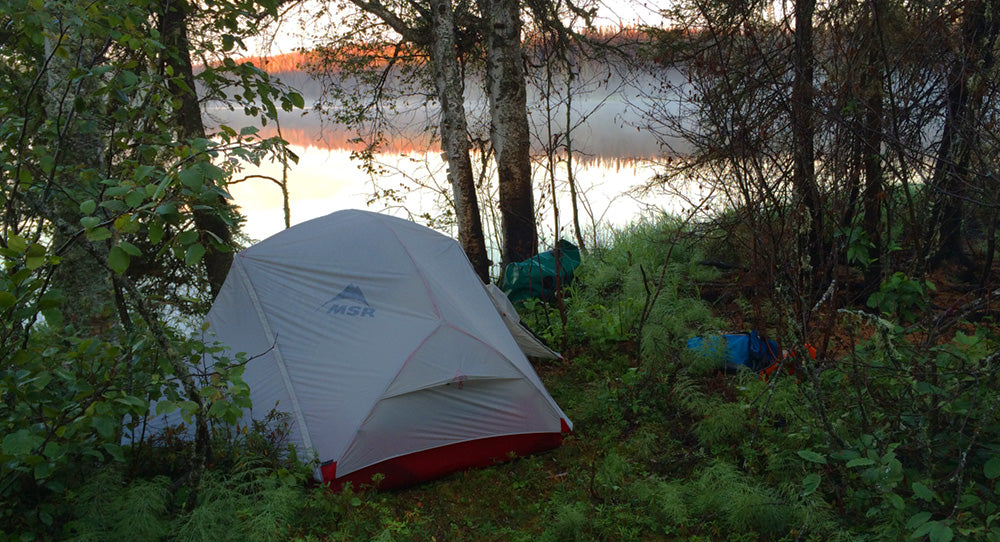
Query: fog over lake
[614, 151]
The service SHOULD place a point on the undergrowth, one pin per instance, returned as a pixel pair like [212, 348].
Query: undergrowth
[893, 438]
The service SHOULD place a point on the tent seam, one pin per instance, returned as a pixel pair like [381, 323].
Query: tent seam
[534, 382]
[279, 360]
[437, 311]
[554, 409]
[354, 434]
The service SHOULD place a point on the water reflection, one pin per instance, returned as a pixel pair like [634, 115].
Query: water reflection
[614, 156]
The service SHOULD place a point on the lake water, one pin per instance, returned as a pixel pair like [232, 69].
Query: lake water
[614, 154]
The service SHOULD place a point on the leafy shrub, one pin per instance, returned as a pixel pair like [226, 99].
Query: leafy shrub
[901, 296]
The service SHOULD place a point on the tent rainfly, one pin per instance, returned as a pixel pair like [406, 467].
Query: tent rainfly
[389, 354]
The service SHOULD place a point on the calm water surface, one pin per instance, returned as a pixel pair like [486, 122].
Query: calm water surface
[614, 155]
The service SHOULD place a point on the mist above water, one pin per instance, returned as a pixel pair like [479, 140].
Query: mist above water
[614, 151]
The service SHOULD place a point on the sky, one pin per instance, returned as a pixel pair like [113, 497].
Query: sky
[301, 23]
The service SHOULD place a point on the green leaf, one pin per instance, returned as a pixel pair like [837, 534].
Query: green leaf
[135, 198]
[53, 317]
[40, 381]
[88, 207]
[167, 209]
[115, 451]
[21, 442]
[187, 237]
[43, 470]
[812, 456]
[118, 259]
[36, 250]
[142, 172]
[213, 171]
[941, 533]
[155, 232]
[194, 253]
[192, 177]
[105, 426]
[116, 191]
[126, 224]
[130, 249]
[47, 162]
[922, 492]
[51, 300]
[17, 243]
[98, 234]
[297, 99]
[218, 409]
[165, 407]
[54, 450]
[35, 256]
[90, 222]
[114, 205]
[160, 188]
[992, 468]
[7, 300]
[860, 462]
[810, 483]
[201, 144]
[920, 523]
[188, 410]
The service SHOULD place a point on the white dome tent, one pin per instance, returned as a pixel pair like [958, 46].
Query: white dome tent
[380, 341]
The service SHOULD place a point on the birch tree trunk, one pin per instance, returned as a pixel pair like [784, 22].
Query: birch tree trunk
[454, 135]
[509, 127]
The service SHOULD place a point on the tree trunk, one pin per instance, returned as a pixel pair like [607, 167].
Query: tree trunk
[75, 178]
[454, 135]
[570, 178]
[803, 131]
[189, 124]
[871, 147]
[951, 178]
[509, 127]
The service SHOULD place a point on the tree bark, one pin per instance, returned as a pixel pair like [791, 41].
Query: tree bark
[803, 132]
[454, 135]
[509, 127]
[189, 125]
[870, 139]
[79, 158]
[951, 177]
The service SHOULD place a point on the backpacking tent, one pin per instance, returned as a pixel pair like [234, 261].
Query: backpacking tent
[378, 338]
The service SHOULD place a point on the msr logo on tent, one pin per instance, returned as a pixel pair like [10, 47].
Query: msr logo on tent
[350, 302]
